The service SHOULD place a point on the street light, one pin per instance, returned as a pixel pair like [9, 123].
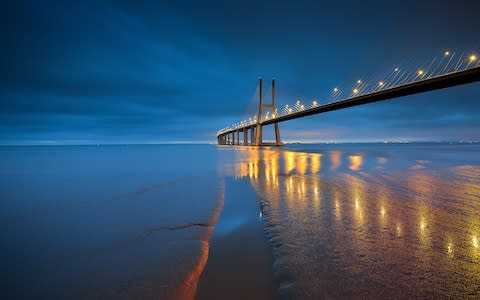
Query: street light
[355, 91]
[420, 72]
[472, 58]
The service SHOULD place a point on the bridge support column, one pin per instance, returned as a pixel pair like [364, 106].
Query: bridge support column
[252, 135]
[278, 141]
[245, 136]
[272, 106]
[258, 131]
[258, 135]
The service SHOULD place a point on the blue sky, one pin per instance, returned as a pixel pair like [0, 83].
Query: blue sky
[176, 71]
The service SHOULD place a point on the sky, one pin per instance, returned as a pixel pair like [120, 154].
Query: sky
[94, 71]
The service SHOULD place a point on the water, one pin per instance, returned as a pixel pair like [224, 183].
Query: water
[371, 221]
[115, 222]
[158, 221]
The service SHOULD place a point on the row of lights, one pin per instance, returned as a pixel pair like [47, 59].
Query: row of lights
[472, 58]
[299, 106]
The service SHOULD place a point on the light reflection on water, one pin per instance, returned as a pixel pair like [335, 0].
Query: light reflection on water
[364, 225]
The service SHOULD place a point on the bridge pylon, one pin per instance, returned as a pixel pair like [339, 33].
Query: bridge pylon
[273, 108]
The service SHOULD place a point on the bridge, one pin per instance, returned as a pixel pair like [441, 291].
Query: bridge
[442, 73]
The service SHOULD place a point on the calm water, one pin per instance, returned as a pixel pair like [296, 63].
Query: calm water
[341, 221]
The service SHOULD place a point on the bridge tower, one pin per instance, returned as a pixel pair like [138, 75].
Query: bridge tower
[273, 108]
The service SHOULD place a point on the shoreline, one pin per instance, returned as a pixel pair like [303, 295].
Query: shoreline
[240, 262]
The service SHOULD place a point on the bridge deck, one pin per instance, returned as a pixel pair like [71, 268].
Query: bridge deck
[435, 83]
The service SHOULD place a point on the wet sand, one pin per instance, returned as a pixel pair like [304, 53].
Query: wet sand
[184, 222]
[240, 261]
[371, 221]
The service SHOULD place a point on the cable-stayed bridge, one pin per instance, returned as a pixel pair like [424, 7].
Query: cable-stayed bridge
[448, 71]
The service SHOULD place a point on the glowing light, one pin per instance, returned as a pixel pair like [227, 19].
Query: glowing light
[381, 83]
[447, 53]
[355, 91]
[359, 81]
[396, 69]
[475, 241]
[302, 107]
[273, 115]
[315, 103]
[450, 249]
[420, 72]
[383, 211]
[335, 90]
[422, 225]
[298, 101]
[472, 58]
[355, 162]
[289, 110]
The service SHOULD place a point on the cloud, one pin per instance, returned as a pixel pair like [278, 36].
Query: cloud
[181, 70]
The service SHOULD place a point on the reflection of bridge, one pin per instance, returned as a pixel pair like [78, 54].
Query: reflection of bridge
[442, 75]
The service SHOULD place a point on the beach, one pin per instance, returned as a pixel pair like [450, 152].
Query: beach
[214, 222]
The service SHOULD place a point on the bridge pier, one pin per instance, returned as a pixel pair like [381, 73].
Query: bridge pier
[256, 131]
[272, 106]
[278, 141]
[252, 135]
[245, 136]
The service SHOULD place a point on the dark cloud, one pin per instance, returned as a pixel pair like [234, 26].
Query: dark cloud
[180, 70]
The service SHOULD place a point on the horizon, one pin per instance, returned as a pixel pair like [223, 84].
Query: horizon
[288, 142]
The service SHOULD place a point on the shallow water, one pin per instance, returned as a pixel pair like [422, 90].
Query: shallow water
[371, 221]
[116, 222]
[168, 221]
